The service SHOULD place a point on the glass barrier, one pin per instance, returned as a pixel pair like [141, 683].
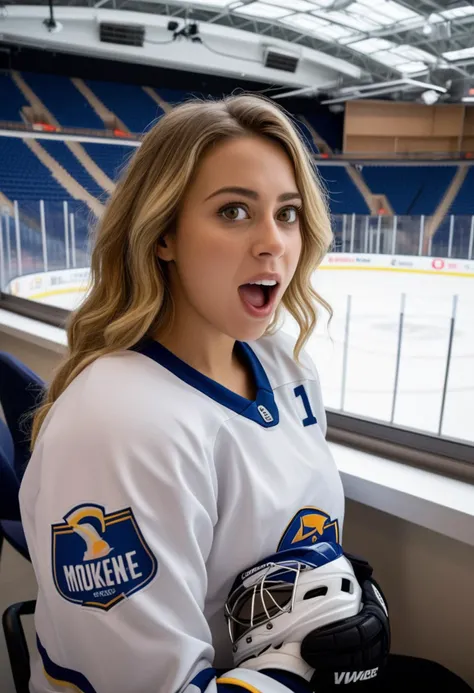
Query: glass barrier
[395, 351]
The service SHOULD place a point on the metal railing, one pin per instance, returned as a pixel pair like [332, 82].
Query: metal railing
[404, 235]
[397, 361]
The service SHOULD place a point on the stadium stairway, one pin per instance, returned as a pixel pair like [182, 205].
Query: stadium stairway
[164, 105]
[73, 188]
[109, 119]
[137, 110]
[445, 204]
[373, 201]
[79, 152]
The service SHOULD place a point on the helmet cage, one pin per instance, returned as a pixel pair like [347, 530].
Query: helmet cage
[259, 603]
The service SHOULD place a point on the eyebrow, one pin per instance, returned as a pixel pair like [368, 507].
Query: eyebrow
[252, 194]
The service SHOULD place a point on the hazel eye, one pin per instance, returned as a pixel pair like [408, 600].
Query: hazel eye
[234, 213]
[288, 215]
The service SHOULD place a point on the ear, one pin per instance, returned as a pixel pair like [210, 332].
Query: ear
[164, 249]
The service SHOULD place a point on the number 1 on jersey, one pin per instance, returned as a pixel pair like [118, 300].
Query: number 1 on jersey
[310, 418]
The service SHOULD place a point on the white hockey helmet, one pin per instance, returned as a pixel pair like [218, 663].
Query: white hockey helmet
[274, 604]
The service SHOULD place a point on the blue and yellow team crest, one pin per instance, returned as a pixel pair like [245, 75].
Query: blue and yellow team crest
[308, 526]
[99, 559]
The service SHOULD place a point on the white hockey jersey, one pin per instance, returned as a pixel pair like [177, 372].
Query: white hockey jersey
[150, 488]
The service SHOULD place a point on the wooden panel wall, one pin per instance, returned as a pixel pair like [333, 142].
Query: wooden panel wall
[382, 127]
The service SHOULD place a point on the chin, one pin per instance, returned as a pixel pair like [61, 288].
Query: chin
[249, 333]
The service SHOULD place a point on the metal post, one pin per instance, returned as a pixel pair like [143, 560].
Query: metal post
[43, 236]
[66, 232]
[343, 248]
[394, 235]
[430, 246]
[366, 235]
[9, 246]
[73, 238]
[422, 234]
[352, 233]
[18, 239]
[471, 239]
[451, 234]
[448, 361]
[401, 325]
[379, 224]
[346, 352]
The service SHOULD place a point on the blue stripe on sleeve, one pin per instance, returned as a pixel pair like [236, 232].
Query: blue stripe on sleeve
[61, 676]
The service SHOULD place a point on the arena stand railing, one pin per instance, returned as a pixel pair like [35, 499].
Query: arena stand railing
[45, 252]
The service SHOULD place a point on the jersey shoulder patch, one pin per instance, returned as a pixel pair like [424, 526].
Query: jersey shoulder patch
[308, 526]
[99, 558]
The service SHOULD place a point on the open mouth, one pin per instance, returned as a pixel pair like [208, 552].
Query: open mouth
[258, 295]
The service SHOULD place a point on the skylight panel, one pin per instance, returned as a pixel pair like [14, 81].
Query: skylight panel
[213, 3]
[391, 10]
[261, 9]
[359, 23]
[371, 45]
[413, 54]
[411, 68]
[294, 5]
[322, 3]
[457, 12]
[388, 58]
[459, 54]
[317, 26]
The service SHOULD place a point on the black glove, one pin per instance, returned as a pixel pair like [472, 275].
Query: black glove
[353, 650]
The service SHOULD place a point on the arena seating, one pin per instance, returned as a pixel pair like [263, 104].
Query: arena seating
[23, 176]
[129, 102]
[73, 166]
[464, 200]
[110, 158]
[63, 100]
[343, 196]
[12, 99]
[411, 190]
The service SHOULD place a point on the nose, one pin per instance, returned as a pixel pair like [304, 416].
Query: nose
[268, 239]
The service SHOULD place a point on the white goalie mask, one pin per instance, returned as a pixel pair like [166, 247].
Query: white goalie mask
[273, 605]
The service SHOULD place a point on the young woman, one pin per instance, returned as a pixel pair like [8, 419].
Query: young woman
[183, 437]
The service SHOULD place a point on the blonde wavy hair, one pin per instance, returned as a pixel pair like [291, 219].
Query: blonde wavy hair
[129, 297]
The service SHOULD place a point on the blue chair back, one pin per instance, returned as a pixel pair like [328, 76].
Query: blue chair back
[9, 483]
[20, 393]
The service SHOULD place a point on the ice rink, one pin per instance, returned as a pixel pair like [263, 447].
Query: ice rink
[373, 333]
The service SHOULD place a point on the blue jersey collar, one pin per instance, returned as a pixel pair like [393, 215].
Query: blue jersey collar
[263, 410]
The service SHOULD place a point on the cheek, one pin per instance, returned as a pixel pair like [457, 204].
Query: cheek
[207, 264]
[294, 248]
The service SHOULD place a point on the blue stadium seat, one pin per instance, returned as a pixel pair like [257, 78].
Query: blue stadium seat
[20, 391]
[73, 166]
[411, 190]
[65, 102]
[111, 158]
[129, 102]
[344, 197]
[23, 176]
[12, 100]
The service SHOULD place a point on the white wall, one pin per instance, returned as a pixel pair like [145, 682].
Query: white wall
[427, 577]
[230, 51]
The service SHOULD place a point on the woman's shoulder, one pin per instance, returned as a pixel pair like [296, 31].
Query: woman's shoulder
[125, 392]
